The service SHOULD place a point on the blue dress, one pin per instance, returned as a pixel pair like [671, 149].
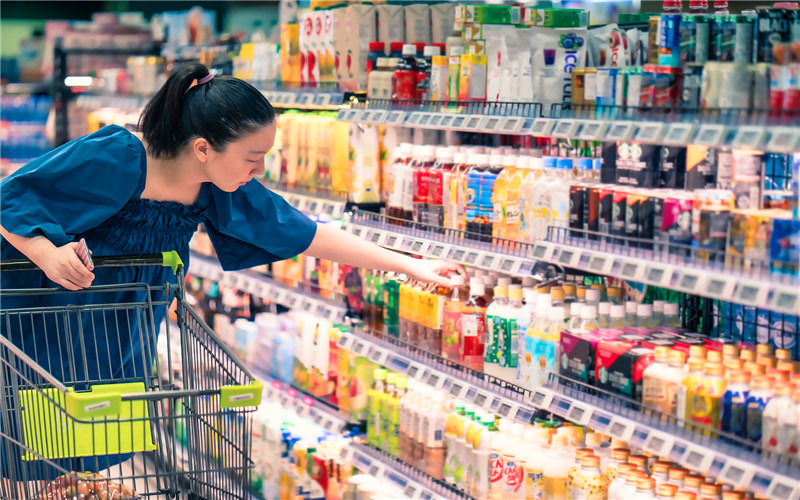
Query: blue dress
[91, 188]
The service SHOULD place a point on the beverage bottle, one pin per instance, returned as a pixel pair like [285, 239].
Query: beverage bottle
[391, 305]
[451, 319]
[513, 469]
[485, 199]
[604, 315]
[542, 217]
[640, 461]
[410, 334]
[514, 199]
[516, 315]
[454, 426]
[464, 457]
[425, 159]
[439, 188]
[559, 194]
[496, 327]
[478, 166]
[692, 483]
[660, 472]
[789, 426]
[708, 400]
[588, 319]
[404, 83]
[619, 456]
[438, 297]
[616, 485]
[590, 483]
[401, 388]
[658, 312]
[433, 443]
[534, 457]
[473, 327]
[534, 335]
[396, 182]
[645, 489]
[482, 440]
[617, 317]
[654, 382]
[387, 402]
[496, 466]
[403, 309]
[574, 321]
[676, 476]
[775, 437]
[644, 316]
[594, 441]
[689, 388]
[373, 402]
[592, 297]
[631, 309]
[570, 294]
[524, 318]
[580, 453]
[615, 295]
[377, 301]
[734, 404]
[549, 345]
[671, 315]
[404, 421]
[628, 490]
[424, 75]
[527, 190]
[557, 294]
[499, 199]
[556, 470]
[454, 199]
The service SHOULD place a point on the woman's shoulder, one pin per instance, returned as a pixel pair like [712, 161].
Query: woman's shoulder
[112, 135]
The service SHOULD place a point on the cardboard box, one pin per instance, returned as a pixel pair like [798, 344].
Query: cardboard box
[290, 53]
[443, 18]
[472, 80]
[488, 14]
[361, 29]
[620, 367]
[340, 43]
[578, 353]
[440, 68]
[418, 23]
[555, 18]
[391, 23]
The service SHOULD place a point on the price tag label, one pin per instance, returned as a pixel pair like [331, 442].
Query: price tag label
[632, 271]
[599, 264]
[751, 137]
[481, 399]
[543, 252]
[509, 266]
[456, 389]
[620, 131]
[579, 413]
[282, 297]
[379, 356]
[543, 127]
[322, 100]
[407, 244]
[345, 454]
[659, 275]
[524, 416]
[621, 429]
[495, 404]
[391, 241]
[511, 125]
[457, 254]
[359, 348]
[438, 250]
[396, 479]
[410, 491]
[751, 293]
[292, 301]
[566, 129]
[507, 410]
[785, 301]
[699, 459]
[719, 287]
[782, 488]
[710, 135]
[659, 443]
[459, 122]
[473, 123]
[424, 120]
[290, 98]
[651, 132]
[413, 119]
[447, 121]
[783, 140]
[358, 231]
[305, 100]
[525, 268]
[487, 261]
[471, 258]
[351, 115]
[435, 380]
[396, 118]
[593, 130]
[541, 398]
[690, 282]
[375, 470]
[569, 258]
[436, 120]
[737, 473]
[417, 247]
[679, 134]
[366, 117]
[329, 424]
[415, 371]
[493, 124]
[345, 341]
[379, 116]
[342, 115]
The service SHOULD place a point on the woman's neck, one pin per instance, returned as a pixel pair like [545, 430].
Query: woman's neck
[175, 179]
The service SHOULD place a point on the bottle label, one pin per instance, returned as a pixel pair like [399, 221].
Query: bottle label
[496, 469]
[472, 325]
[512, 475]
[512, 214]
[534, 484]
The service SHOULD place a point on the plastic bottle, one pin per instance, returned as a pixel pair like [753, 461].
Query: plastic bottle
[455, 198]
[775, 437]
[534, 334]
[640, 461]
[557, 293]
[644, 316]
[549, 345]
[473, 327]
[422, 173]
[666, 491]
[454, 427]
[710, 492]
[523, 320]
[542, 217]
[451, 317]
[570, 294]
[404, 84]
[615, 295]
[685, 495]
[496, 327]
[575, 470]
[375, 78]
[789, 425]
[486, 199]
[708, 400]
[496, 489]
[433, 425]
[373, 399]
[617, 320]
[401, 388]
[757, 400]
[689, 388]
[400, 176]
[388, 401]
[478, 165]
[658, 312]
[424, 75]
[660, 472]
[619, 456]
[593, 296]
[594, 441]
[499, 199]
[676, 476]
[437, 297]
[657, 391]
[513, 207]
[513, 468]
[604, 315]
[589, 483]
[645, 489]
[556, 469]
[534, 456]
[615, 486]
[527, 191]
[588, 319]
[439, 187]
[509, 340]
[405, 407]
[574, 316]
[628, 490]
[631, 308]
[671, 315]
[692, 483]
[559, 194]
[734, 404]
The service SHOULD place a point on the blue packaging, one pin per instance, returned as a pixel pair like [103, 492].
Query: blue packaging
[763, 327]
[784, 249]
[606, 97]
[669, 40]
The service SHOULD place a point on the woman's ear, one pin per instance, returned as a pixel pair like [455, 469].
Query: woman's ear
[201, 149]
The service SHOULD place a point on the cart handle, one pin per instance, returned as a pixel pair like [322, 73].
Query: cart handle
[166, 259]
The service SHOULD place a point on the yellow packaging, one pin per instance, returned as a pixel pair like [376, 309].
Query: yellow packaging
[340, 44]
[340, 163]
[472, 81]
[476, 47]
[440, 68]
[453, 77]
[244, 69]
[327, 71]
[290, 53]
[365, 173]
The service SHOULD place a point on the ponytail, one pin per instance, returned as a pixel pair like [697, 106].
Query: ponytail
[220, 111]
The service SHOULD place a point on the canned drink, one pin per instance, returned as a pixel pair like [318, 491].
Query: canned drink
[666, 87]
[669, 40]
[743, 40]
[772, 26]
[723, 38]
[736, 80]
[691, 85]
[791, 96]
[778, 83]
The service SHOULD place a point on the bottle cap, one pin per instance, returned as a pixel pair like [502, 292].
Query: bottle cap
[605, 308]
[589, 312]
[391, 378]
[620, 454]
[549, 162]
[524, 162]
[658, 306]
[594, 439]
[445, 154]
[644, 310]
[377, 46]
[536, 163]
[714, 369]
[666, 490]
[730, 351]
[401, 382]
[409, 49]
[714, 356]
[575, 309]
[732, 495]
[634, 475]
[583, 452]
[661, 467]
[501, 291]
[431, 51]
[692, 480]
[614, 292]
[510, 161]
[763, 350]
[593, 296]
[584, 164]
[670, 309]
[740, 377]
[617, 312]
[515, 293]
[646, 483]
[565, 164]
[697, 351]
[783, 354]
[476, 287]
[590, 461]
[747, 354]
[631, 307]
[457, 280]
[460, 158]
[624, 468]
[713, 490]
[662, 353]
[677, 357]
[732, 364]
[481, 160]
[677, 474]
[685, 495]
[504, 281]
[380, 374]
[787, 366]
[638, 460]
[557, 293]
[556, 314]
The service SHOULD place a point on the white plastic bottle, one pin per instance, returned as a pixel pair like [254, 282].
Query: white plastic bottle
[773, 435]
[604, 314]
[630, 312]
[524, 319]
[671, 315]
[499, 444]
[588, 319]
[617, 317]
[658, 312]
[518, 315]
[550, 345]
[645, 489]
[535, 455]
[559, 194]
[556, 468]
[484, 438]
[542, 217]
[593, 297]
[574, 316]
[496, 327]
[533, 336]
[527, 194]
[513, 467]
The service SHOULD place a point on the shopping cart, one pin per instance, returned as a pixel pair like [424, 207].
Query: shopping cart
[172, 428]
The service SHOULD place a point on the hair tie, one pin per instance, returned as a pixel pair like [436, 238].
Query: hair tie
[205, 79]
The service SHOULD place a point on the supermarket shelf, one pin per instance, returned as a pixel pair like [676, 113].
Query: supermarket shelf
[644, 266]
[494, 395]
[267, 288]
[305, 100]
[413, 482]
[710, 452]
[314, 203]
[510, 258]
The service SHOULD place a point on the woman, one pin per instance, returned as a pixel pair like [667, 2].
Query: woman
[204, 141]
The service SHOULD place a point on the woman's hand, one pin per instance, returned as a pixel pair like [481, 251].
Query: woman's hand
[63, 266]
[435, 271]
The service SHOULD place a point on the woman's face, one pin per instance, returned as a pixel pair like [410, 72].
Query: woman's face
[241, 161]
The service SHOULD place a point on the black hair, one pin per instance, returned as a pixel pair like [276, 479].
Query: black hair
[220, 111]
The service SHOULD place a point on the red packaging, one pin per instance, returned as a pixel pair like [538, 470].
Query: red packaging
[620, 367]
[666, 87]
[791, 96]
[778, 83]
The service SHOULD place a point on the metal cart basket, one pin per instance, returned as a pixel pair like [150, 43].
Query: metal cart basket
[171, 428]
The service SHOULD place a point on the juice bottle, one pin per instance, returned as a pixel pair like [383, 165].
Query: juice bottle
[588, 319]
[534, 457]
[689, 388]
[439, 188]
[616, 485]
[405, 405]
[422, 174]
[377, 302]
[391, 306]
[789, 427]
[513, 209]
[439, 296]
[708, 400]
[580, 453]
[499, 199]
[367, 294]
[549, 345]
[559, 194]
[373, 403]
[530, 295]
[433, 425]
[556, 470]
[542, 217]
[672, 316]
[589, 483]
[618, 456]
[401, 388]
[473, 327]
[399, 173]
[451, 321]
[734, 404]
[482, 440]
[454, 199]
[509, 342]
[485, 215]
[645, 489]
[534, 335]
[386, 403]
[417, 326]
[775, 437]
[465, 463]
[496, 328]
[654, 382]
[478, 166]
[454, 427]
[513, 468]
[757, 400]
[527, 191]
[404, 83]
